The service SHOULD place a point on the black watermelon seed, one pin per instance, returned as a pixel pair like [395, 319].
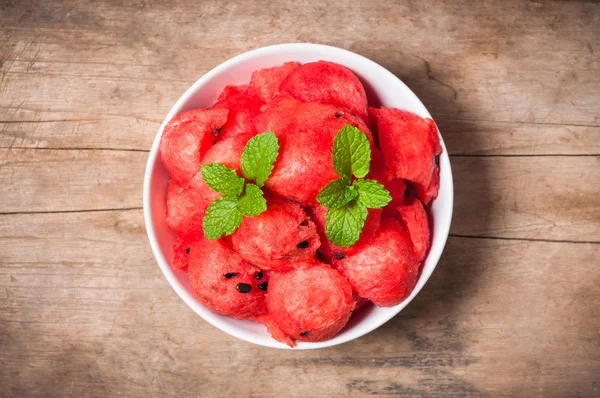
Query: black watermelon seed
[263, 286]
[302, 334]
[258, 276]
[437, 160]
[338, 115]
[304, 223]
[208, 109]
[302, 245]
[243, 287]
[229, 275]
[187, 251]
[340, 256]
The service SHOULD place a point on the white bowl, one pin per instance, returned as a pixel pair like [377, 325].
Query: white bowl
[383, 88]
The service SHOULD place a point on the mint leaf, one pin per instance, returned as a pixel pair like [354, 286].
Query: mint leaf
[253, 202]
[222, 179]
[259, 157]
[337, 193]
[351, 152]
[221, 218]
[372, 194]
[344, 225]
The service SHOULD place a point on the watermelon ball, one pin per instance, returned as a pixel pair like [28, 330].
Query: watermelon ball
[279, 239]
[264, 83]
[310, 304]
[332, 252]
[228, 151]
[324, 81]
[386, 269]
[242, 111]
[304, 164]
[415, 220]
[223, 281]
[186, 206]
[185, 140]
[410, 146]
[277, 114]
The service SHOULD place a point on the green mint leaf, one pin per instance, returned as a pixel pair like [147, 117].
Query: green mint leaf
[253, 202]
[344, 225]
[372, 194]
[221, 218]
[337, 193]
[351, 152]
[222, 179]
[259, 157]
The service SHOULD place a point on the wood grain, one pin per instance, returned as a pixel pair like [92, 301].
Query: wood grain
[71, 180]
[94, 324]
[511, 310]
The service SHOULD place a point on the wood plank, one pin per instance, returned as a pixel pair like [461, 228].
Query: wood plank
[59, 130]
[70, 180]
[470, 137]
[512, 197]
[542, 70]
[488, 310]
[527, 197]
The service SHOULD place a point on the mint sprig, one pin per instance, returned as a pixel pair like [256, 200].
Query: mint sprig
[344, 225]
[222, 179]
[222, 217]
[225, 214]
[351, 152]
[253, 202]
[348, 202]
[259, 157]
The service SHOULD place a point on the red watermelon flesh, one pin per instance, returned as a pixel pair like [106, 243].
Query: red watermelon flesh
[410, 145]
[224, 282]
[264, 83]
[310, 304]
[242, 111]
[414, 218]
[278, 239]
[228, 151]
[430, 192]
[275, 331]
[278, 114]
[331, 251]
[386, 269]
[186, 206]
[360, 301]
[180, 254]
[186, 138]
[327, 82]
[379, 172]
[230, 91]
[304, 164]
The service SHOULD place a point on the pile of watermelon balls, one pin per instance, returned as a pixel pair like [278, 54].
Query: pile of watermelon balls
[295, 203]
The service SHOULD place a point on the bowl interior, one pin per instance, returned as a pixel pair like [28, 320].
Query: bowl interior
[383, 88]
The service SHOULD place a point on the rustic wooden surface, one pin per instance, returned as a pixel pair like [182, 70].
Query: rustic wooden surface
[513, 309]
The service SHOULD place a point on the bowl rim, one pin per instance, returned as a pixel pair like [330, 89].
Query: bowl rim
[163, 263]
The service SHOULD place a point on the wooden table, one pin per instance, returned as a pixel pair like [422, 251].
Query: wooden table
[513, 308]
